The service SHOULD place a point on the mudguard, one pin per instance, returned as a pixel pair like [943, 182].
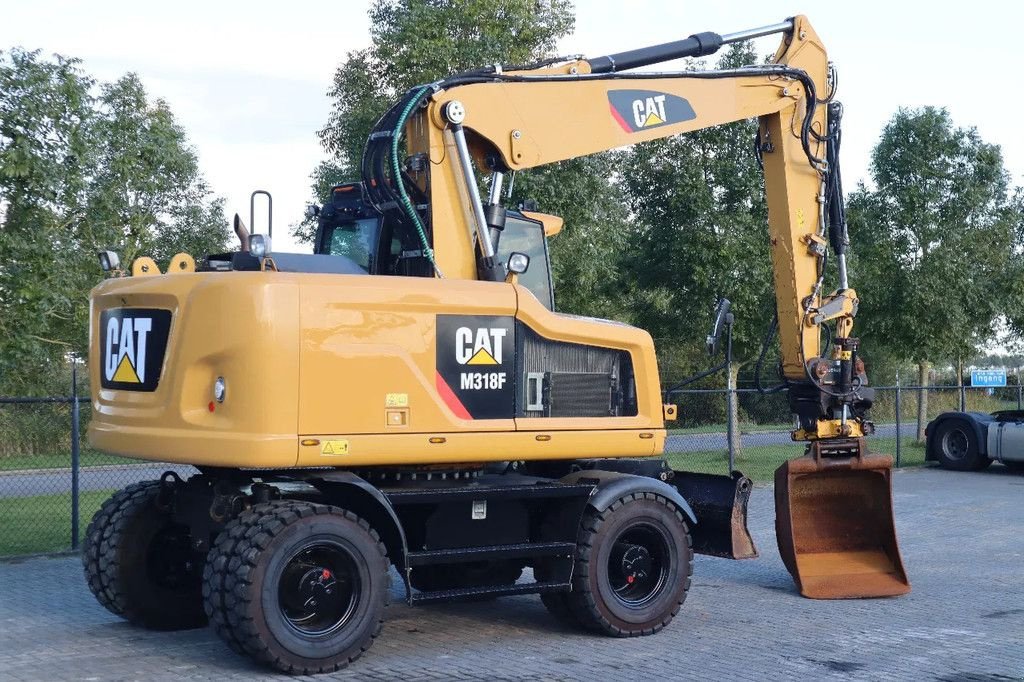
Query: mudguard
[612, 485]
[979, 421]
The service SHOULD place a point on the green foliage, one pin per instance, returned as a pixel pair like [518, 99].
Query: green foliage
[933, 242]
[584, 256]
[420, 41]
[82, 171]
[699, 233]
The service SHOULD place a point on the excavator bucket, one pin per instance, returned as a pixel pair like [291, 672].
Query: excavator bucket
[834, 523]
[720, 505]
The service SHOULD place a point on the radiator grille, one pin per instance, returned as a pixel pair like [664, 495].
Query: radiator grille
[578, 394]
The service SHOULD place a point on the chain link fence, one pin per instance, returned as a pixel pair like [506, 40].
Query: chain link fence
[700, 440]
[51, 482]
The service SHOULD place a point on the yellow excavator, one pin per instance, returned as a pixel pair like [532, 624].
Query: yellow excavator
[408, 395]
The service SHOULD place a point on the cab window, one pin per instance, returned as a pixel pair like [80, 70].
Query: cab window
[527, 236]
[356, 240]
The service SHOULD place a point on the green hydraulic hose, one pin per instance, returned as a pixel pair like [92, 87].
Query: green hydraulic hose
[396, 171]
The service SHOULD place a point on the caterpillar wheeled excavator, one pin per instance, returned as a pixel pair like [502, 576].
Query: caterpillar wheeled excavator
[408, 396]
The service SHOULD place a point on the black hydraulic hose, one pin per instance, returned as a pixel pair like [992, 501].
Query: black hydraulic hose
[772, 329]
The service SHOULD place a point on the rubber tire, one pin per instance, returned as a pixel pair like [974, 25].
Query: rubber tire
[114, 557]
[256, 544]
[454, 577]
[972, 461]
[593, 603]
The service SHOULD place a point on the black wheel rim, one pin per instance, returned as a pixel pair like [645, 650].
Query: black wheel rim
[638, 564]
[955, 444]
[319, 589]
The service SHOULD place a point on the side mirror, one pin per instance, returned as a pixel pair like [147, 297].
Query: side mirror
[722, 319]
[518, 263]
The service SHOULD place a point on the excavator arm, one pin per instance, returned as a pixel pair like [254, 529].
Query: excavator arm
[834, 505]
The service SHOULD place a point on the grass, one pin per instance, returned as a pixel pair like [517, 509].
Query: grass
[759, 462]
[33, 525]
[60, 460]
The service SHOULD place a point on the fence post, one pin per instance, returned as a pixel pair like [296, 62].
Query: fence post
[730, 395]
[74, 454]
[899, 424]
[960, 383]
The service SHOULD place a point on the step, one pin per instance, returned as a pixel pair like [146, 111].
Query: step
[515, 551]
[496, 591]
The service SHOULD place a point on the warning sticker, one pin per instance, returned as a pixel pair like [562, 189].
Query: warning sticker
[334, 447]
[396, 400]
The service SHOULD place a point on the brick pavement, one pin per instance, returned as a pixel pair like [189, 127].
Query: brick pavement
[963, 544]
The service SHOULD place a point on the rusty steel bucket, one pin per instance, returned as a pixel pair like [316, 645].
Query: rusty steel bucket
[834, 523]
[720, 505]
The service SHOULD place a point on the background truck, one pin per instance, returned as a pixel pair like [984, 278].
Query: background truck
[970, 441]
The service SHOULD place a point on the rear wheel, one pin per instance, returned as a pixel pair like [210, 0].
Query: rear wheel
[298, 586]
[140, 564]
[956, 447]
[633, 567]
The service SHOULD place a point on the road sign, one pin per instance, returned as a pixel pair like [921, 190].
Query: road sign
[988, 377]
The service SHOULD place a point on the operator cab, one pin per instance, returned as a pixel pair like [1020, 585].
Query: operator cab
[349, 226]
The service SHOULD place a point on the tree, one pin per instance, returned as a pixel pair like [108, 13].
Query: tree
[45, 115]
[420, 41]
[932, 242]
[82, 171]
[699, 233]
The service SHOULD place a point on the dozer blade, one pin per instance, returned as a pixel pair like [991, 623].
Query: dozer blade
[834, 523]
[720, 504]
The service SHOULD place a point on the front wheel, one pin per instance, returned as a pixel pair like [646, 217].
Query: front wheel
[955, 446]
[298, 586]
[633, 566]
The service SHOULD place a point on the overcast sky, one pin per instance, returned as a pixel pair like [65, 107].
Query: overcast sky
[248, 80]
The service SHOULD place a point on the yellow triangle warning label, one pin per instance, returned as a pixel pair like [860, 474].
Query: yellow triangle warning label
[334, 447]
[125, 372]
[653, 120]
[482, 357]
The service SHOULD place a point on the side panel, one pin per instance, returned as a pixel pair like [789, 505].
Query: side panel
[602, 334]
[239, 326]
[370, 351]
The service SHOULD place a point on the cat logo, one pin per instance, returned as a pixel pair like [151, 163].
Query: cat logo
[134, 341]
[126, 349]
[475, 357]
[636, 110]
[482, 347]
[649, 111]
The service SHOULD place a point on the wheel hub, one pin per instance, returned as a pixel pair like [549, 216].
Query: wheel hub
[319, 589]
[638, 565]
[955, 445]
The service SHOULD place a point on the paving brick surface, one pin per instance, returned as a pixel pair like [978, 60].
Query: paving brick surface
[963, 543]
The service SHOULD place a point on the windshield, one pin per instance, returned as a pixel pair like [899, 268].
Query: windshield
[527, 236]
[356, 240]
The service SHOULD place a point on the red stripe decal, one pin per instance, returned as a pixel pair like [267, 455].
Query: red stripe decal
[450, 399]
[618, 117]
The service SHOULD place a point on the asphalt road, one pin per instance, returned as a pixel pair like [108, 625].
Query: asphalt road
[743, 620]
